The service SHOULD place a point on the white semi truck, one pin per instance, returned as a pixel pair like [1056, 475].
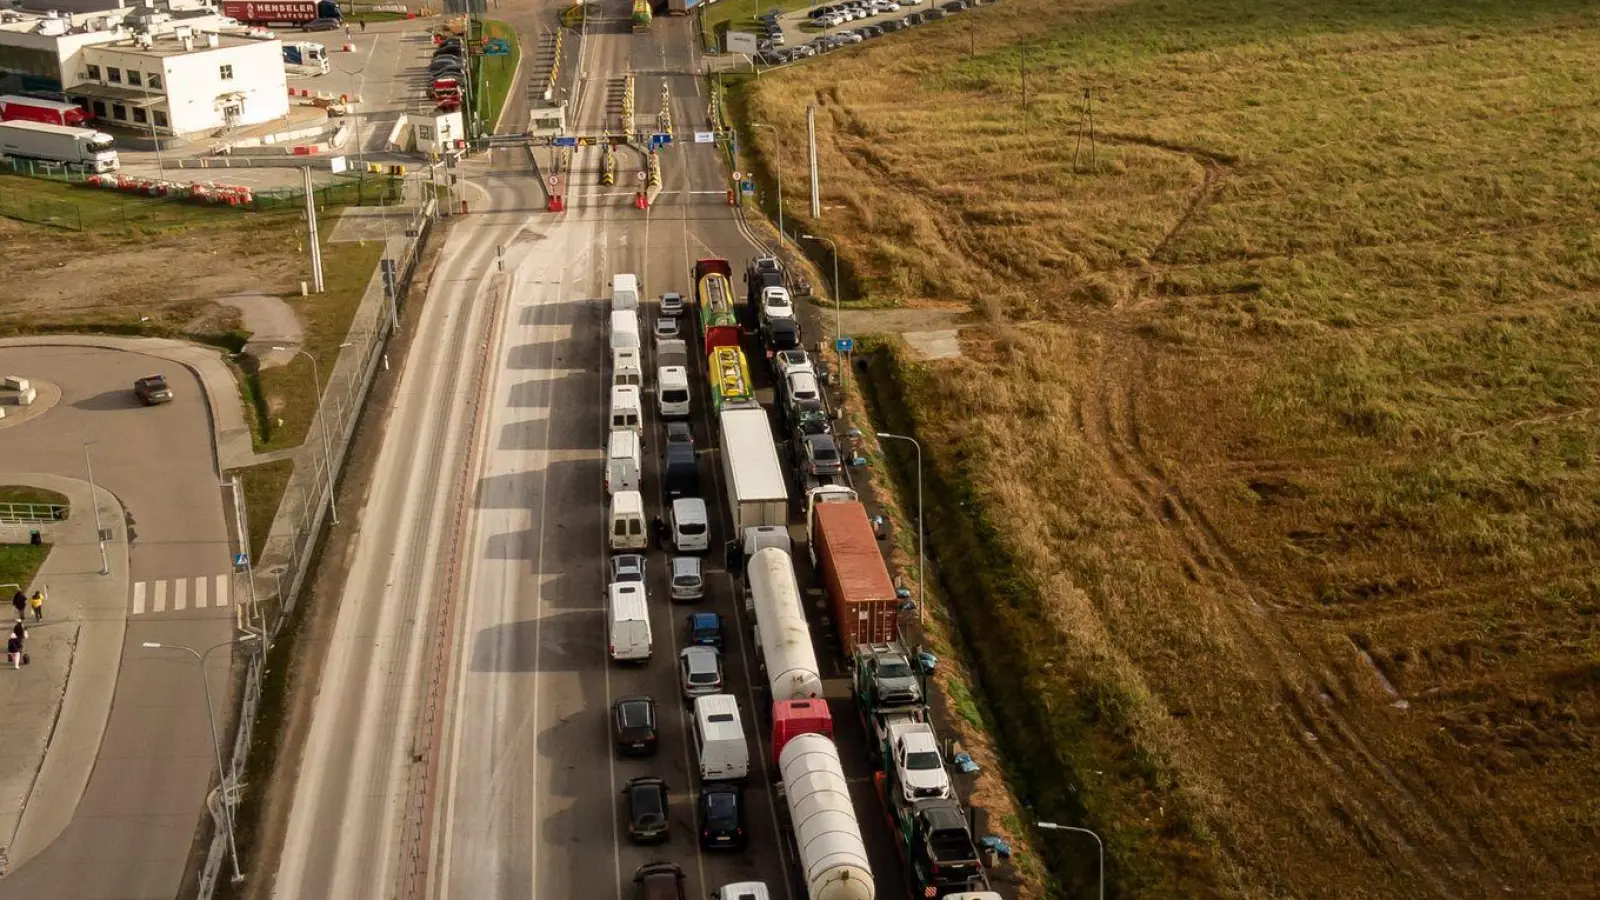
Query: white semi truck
[81, 148]
[832, 858]
[757, 493]
[781, 631]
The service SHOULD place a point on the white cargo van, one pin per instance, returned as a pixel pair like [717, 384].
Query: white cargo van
[627, 522]
[626, 369]
[719, 739]
[624, 292]
[691, 526]
[672, 392]
[624, 330]
[625, 411]
[630, 622]
[622, 461]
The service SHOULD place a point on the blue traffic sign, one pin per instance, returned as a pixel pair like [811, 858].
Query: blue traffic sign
[240, 560]
[566, 142]
[747, 188]
[844, 345]
[660, 140]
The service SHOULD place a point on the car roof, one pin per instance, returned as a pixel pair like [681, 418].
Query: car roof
[705, 618]
[685, 565]
[689, 507]
[699, 655]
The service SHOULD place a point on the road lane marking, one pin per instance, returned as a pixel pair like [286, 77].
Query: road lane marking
[199, 593]
[222, 591]
[160, 603]
[138, 598]
[180, 594]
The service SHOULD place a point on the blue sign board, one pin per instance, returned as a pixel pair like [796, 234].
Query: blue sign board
[844, 345]
[240, 560]
[748, 188]
[660, 140]
[566, 142]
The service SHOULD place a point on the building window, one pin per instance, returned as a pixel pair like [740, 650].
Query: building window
[119, 112]
[94, 73]
[133, 77]
[161, 118]
[226, 72]
[113, 75]
[155, 81]
[139, 116]
[100, 109]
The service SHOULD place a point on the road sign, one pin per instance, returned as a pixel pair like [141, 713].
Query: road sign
[565, 142]
[741, 42]
[747, 188]
[844, 344]
[642, 176]
[554, 180]
[738, 177]
[705, 137]
[660, 140]
[240, 560]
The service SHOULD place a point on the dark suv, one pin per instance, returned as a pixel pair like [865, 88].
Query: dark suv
[634, 719]
[647, 809]
[658, 881]
[721, 818]
[152, 389]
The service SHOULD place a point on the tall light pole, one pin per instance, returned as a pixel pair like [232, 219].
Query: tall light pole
[327, 457]
[1051, 826]
[360, 74]
[216, 745]
[922, 564]
[94, 503]
[777, 173]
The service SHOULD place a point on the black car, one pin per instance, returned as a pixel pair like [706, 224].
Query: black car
[445, 64]
[647, 801]
[954, 6]
[658, 881]
[449, 50]
[681, 474]
[933, 15]
[721, 818]
[892, 25]
[913, 19]
[782, 334]
[872, 31]
[634, 719]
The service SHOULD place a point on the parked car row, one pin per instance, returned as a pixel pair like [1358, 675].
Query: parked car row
[844, 13]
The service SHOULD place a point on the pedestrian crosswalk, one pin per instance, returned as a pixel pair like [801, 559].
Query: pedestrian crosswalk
[180, 594]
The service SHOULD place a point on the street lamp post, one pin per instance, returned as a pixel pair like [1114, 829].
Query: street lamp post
[360, 74]
[1051, 826]
[216, 745]
[922, 564]
[94, 503]
[777, 173]
[327, 457]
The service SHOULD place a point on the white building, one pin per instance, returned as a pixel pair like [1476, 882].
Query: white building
[169, 70]
[184, 83]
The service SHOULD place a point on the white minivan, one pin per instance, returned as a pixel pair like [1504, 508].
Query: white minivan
[627, 522]
[630, 622]
[624, 330]
[802, 386]
[622, 461]
[626, 369]
[691, 526]
[719, 739]
[672, 392]
[624, 292]
[625, 411]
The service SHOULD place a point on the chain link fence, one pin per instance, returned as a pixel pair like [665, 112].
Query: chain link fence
[274, 582]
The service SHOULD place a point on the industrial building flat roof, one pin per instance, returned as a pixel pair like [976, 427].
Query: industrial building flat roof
[165, 45]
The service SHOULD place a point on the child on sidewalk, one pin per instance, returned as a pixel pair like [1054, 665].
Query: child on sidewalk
[37, 602]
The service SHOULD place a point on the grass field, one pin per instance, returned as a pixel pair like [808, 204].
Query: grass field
[19, 563]
[494, 74]
[34, 495]
[1269, 477]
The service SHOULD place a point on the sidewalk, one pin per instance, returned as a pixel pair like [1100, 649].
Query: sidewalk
[61, 701]
[230, 431]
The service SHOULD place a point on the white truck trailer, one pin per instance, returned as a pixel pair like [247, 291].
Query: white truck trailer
[757, 493]
[781, 631]
[80, 148]
[832, 858]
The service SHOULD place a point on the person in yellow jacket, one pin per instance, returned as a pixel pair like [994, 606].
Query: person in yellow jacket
[37, 602]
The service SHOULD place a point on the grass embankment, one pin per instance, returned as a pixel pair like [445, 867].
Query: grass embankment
[264, 485]
[1268, 484]
[19, 563]
[493, 74]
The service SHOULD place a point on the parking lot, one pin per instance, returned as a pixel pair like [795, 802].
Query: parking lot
[791, 37]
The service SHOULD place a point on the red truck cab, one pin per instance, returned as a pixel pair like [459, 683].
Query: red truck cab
[792, 718]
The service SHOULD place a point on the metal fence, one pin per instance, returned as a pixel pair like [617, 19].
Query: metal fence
[31, 513]
[151, 203]
[281, 571]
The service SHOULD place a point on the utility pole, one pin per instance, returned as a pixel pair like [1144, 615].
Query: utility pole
[811, 141]
[312, 237]
[94, 504]
[777, 173]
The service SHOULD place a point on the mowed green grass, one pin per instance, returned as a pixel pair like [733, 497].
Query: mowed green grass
[1269, 478]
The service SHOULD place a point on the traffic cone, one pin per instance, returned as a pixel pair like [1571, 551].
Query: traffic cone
[556, 204]
[640, 201]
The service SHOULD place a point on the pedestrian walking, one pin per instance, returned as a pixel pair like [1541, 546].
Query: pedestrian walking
[20, 631]
[14, 652]
[363, 26]
[20, 601]
[37, 602]
[658, 530]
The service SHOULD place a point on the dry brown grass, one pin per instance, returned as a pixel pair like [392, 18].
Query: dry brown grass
[1285, 422]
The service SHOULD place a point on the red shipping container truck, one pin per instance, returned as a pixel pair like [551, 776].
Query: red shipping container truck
[280, 12]
[865, 608]
[50, 112]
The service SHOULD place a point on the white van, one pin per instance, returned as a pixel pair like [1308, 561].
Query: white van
[691, 526]
[672, 392]
[625, 411]
[627, 522]
[626, 368]
[624, 292]
[624, 330]
[719, 739]
[630, 623]
[622, 461]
